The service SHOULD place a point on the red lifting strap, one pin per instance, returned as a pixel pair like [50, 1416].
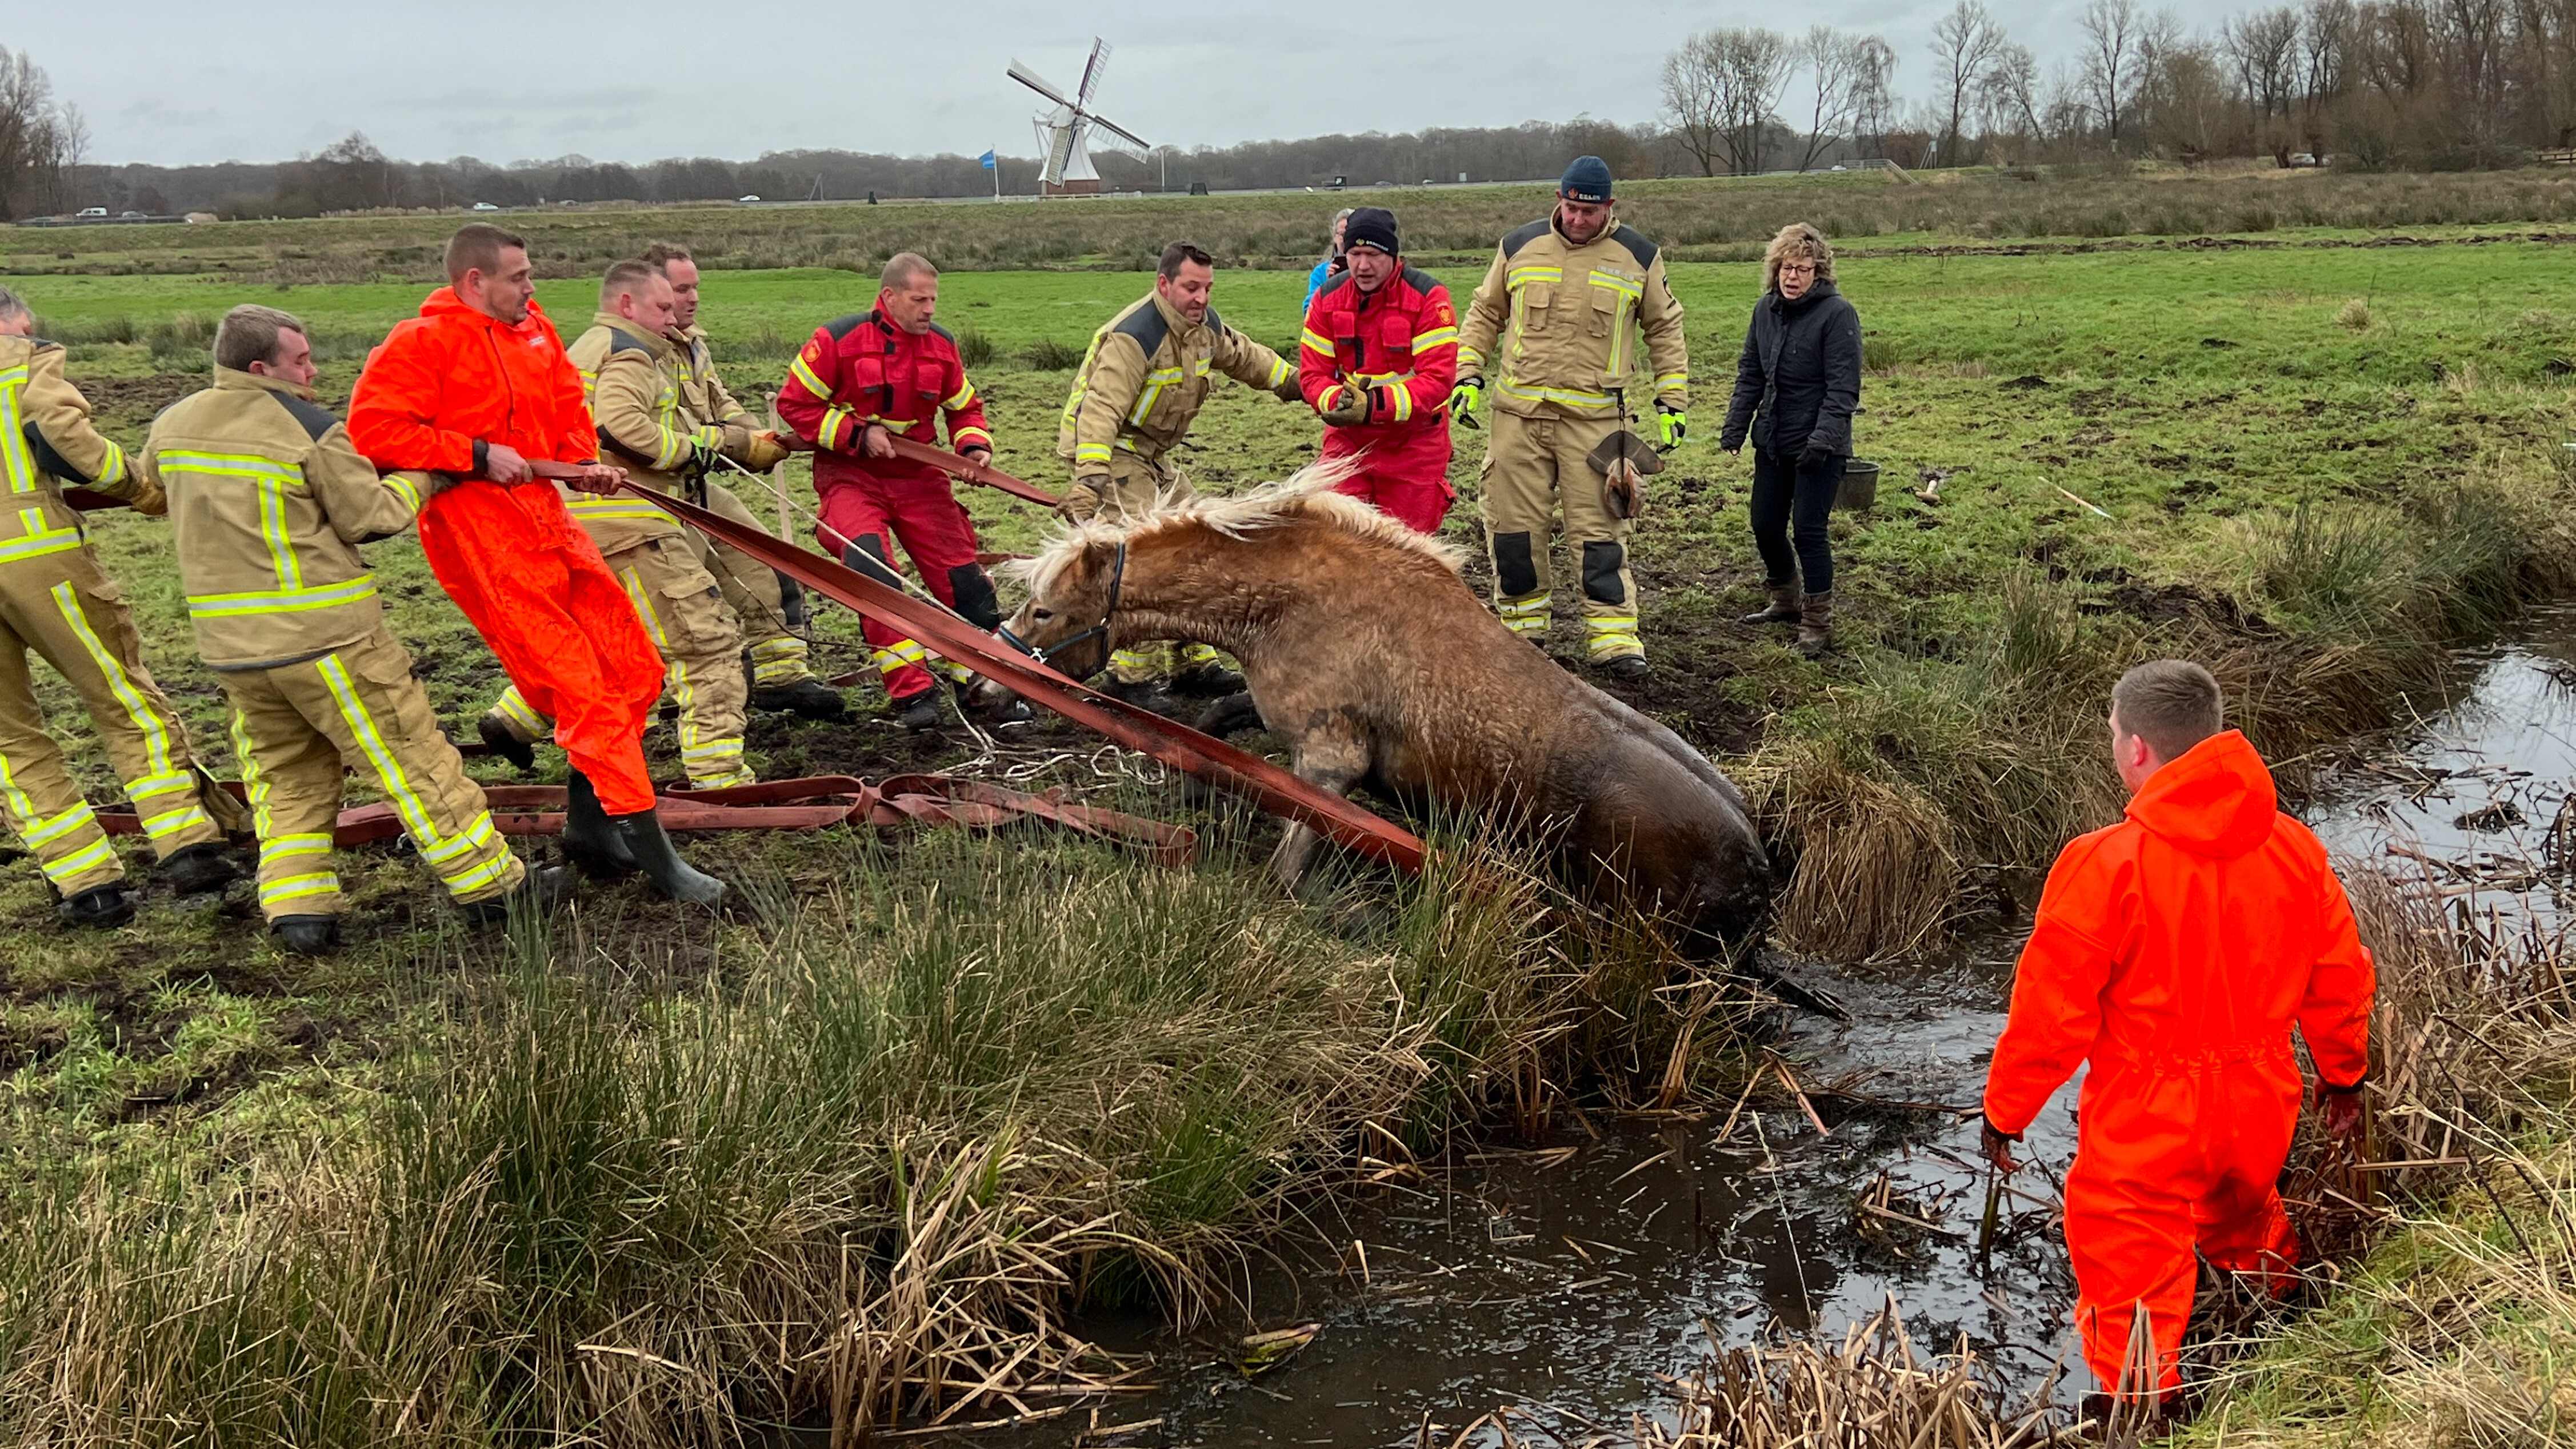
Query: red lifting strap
[1213, 760]
[959, 466]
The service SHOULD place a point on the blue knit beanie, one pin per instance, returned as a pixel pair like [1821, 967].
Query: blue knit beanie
[1588, 179]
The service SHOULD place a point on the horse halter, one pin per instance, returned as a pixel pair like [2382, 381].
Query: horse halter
[1100, 631]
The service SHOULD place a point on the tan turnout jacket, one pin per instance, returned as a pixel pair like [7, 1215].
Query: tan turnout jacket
[1566, 319]
[268, 501]
[646, 426]
[46, 444]
[1145, 378]
[702, 392]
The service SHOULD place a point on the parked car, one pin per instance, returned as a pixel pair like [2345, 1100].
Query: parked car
[482, 206]
[93, 211]
[747, 200]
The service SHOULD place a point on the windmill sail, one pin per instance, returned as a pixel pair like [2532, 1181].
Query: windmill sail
[1064, 132]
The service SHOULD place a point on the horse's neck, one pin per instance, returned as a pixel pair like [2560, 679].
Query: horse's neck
[1203, 585]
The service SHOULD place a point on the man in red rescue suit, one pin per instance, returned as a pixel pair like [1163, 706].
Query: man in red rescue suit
[1379, 355]
[2174, 952]
[477, 387]
[859, 382]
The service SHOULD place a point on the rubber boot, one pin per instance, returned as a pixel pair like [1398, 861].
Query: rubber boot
[100, 906]
[1816, 624]
[918, 713]
[204, 866]
[1630, 669]
[1783, 608]
[1207, 681]
[306, 935]
[538, 890]
[811, 698]
[503, 744]
[588, 839]
[654, 855]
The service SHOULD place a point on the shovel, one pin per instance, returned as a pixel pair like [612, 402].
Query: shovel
[1626, 461]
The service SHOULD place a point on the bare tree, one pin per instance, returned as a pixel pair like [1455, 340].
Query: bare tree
[36, 135]
[1691, 101]
[1723, 88]
[1874, 97]
[1964, 46]
[1845, 71]
[2110, 62]
[2008, 94]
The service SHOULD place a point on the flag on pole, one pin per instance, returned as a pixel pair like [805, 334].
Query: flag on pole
[987, 160]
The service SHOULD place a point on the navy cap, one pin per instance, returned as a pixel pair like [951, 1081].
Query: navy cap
[1371, 226]
[1588, 179]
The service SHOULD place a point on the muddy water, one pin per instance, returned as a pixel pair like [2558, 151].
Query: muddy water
[1566, 1282]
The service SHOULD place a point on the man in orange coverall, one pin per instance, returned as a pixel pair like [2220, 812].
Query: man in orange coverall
[2174, 951]
[475, 389]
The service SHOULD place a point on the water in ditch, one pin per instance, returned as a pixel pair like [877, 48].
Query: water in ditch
[1568, 1277]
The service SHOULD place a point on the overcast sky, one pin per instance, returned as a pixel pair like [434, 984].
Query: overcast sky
[174, 83]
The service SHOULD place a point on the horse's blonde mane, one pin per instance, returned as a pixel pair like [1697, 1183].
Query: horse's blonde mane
[1306, 494]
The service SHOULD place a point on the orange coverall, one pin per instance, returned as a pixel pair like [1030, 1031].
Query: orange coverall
[512, 558]
[2175, 951]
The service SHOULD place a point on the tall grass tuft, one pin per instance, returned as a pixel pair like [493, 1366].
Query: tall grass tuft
[1048, 355]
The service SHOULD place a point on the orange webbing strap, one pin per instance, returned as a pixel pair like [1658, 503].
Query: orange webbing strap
[958, 466]
[1213, 760]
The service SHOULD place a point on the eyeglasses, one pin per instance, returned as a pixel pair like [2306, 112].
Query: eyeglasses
[1797, 269]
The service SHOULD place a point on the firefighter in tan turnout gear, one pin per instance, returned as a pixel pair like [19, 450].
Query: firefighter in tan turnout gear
[630, 366]
[268, 499]
[1140, 387]
[1551, 340]
[57, 602]
[770, 605]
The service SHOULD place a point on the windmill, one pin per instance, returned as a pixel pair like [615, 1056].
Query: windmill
[1064, 131]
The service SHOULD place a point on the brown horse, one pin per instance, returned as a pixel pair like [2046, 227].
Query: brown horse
[1372, 660]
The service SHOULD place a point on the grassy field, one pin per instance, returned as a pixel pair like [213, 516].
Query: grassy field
[2315, 464]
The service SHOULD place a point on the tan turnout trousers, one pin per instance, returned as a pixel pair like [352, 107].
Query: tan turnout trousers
[1135, 485]
[297, 727]
[758, 595]
[701, 642]
[62, 606]
[1533, 467]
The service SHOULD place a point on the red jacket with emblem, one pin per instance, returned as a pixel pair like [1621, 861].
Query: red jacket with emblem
[1400, 341]
[858, 370]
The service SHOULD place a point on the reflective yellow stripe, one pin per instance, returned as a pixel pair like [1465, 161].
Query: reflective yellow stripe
[156, 736]
[162, 784]
[1403, 402]
[1436, 337]
[965, 395]
[112, 470]
[1091, 452]
[389, 771]
[1280, 371]
[39, 832]
[299, 887]
[13, 437]
[1625, 287]
[278, 847]
[514, 707]
[80, 862]
[171, 822]
[274, 601]
[273, 478]
[1316, 341]
[1524, 616]
[254, 783]
[799, 371]
[403, 489]
[1672, 381]
[39, 540]
[1518, 277]
[591, 509]
[1571, 397]
[963, 436]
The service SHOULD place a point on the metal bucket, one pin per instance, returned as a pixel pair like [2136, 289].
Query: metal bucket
[1859, 490]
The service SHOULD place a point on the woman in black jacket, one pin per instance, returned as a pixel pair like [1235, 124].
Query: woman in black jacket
[1796, 387]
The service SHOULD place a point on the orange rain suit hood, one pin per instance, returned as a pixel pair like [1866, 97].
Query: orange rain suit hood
[444, 386]
[2174, 951]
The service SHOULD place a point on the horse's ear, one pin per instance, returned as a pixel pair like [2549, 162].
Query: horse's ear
[1098, 557]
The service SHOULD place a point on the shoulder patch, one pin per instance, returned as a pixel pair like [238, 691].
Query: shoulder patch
[1420, 280]
[1635, 241]
[619, 342]
[42, 343]
[1524, 236]
[314, 418]
[1214, 323]
[841, 327]
[944, 332]
[1146, 325]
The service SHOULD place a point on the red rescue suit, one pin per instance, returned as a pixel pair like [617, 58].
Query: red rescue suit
[2174, 952]
[1399, 344]
[860, 370]
[523, 572]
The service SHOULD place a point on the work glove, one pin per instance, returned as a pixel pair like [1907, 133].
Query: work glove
[765, 451]
[148, 499]
[1082, 500]
[1467, 401]
[1350, 407]
[1289, 390]
[1816, 455]
[1671, 426]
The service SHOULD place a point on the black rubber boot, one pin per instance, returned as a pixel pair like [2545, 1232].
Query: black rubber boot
[100, 907]
[809, 697]
[538, 890]
[204, 866]
[306, 935]
[588, 839]
[918, 713]
[1783, 608]
[1207, 681]
[655, 856]
[498, 739]
[1626, 669]
[1145, 694]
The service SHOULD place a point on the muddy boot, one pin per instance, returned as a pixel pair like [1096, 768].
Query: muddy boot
[1816, 624]
[918, 713]
[1207, 681]
[1145, 694]
[809, 697]
[204, 866]
[1783, 608]
[306, 935]
[661, 864]
[504, 745]
[538, 891]
[99, 907]
[1628, 669]
[588, 839]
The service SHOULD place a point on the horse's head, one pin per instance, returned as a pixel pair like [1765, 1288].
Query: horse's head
[1073, 599]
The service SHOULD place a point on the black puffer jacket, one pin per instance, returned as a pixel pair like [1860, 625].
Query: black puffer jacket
[1799, 378]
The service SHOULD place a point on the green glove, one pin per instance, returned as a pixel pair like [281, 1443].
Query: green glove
[1673, 423]
[1467, 401]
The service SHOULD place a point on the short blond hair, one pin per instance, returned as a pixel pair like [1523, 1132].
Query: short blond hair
[249, 334]
[2172, 704]
[902, 268]
[1797, 239]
